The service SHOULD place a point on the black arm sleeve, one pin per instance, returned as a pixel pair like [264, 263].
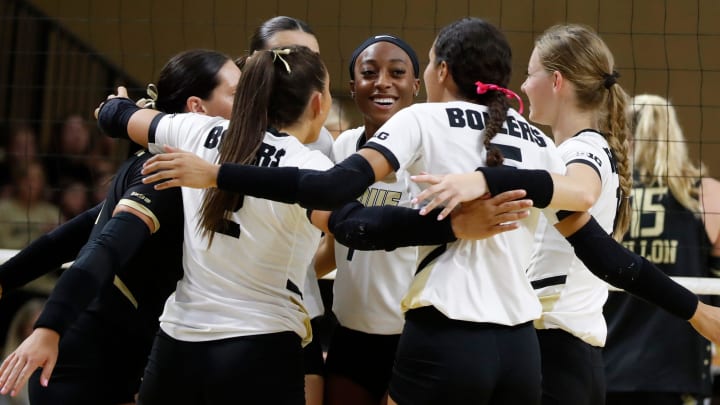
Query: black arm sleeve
[624, 269]
[114, 116]
[538, 184]
[49, 251]
[93, 270]
[387, 227]
[313, 189]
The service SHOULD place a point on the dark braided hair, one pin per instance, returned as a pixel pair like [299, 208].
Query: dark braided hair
[475, 50]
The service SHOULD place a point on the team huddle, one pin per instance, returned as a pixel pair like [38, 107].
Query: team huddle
[472, 250]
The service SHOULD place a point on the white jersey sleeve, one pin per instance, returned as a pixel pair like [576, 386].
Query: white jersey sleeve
[572, 296]
[187, 131]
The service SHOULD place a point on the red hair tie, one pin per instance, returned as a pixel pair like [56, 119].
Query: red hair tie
[483, 88]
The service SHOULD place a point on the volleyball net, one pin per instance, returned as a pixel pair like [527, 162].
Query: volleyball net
[61, 58]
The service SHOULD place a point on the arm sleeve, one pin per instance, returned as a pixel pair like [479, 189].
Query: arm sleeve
[94, 269]
[538, 184]
[624, 269]
[313, 189]
[49, 251]
[387, 227]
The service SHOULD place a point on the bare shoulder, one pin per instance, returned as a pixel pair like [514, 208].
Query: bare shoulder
[710, 199]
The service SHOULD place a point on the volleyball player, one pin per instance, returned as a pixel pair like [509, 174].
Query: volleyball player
[236, 323]
[104, 309]
[651, 357]
[572, 87]
[278, 32]
[368, 287]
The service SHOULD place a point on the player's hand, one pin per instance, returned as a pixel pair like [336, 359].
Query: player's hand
[121, 92]
[489, 216]
[177, 168]
[449, 190]
[40, 349]
[706, 321]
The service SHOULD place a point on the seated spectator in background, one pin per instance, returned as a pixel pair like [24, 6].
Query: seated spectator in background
[26, 214]
[73, 198]
[20, 149]
[69, 154]
[650, 356]
[20, 328]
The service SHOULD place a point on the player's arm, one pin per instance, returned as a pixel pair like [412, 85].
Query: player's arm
[615, 264]
[93, 270]
[119, 117]
[390, 227]
[48, 252]
[710, 200]
[313, 189]
[324, 258]
[544, 188]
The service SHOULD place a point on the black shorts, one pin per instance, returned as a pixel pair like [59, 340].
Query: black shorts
[445, 361]
[573, 371]
[257, 369]
[367, 359]
[313, 353]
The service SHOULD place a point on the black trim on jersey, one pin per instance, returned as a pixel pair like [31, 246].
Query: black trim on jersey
[588, 130]
[434, 254]
[585, 162]
[562, 214]
[385, 152]
[548, 281]
[508, 151]
[293, 287]
[362, 140]
[277, 133]
[229, 228]
[153, 127]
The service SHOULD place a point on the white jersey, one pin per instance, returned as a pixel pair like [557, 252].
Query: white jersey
[369, 285]
[249, 281]
[311, 292]
[572, 297]
[479, 281]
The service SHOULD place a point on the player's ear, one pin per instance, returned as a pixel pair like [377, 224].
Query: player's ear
[443, 71]
[316, 103]
[352, 88]
[195, 104]
[558, 80]
[416, 87]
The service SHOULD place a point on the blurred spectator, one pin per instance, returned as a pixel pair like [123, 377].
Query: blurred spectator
[20, 328]
[26, 214]
[20, 149]
[74, 198]
[652, 357]
[69, 155]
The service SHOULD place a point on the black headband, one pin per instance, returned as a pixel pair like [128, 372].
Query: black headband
[385, 38]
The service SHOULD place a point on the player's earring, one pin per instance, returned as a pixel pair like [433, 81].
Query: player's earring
[352, 94]
[417, 93]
